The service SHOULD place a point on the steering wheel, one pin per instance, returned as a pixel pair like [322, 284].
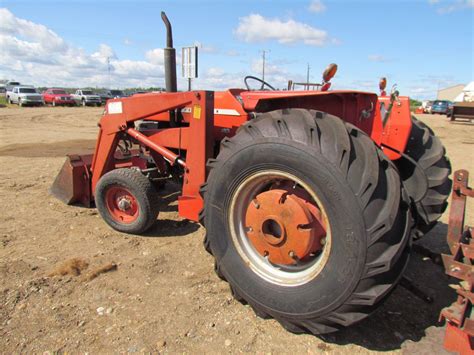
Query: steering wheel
[264, 83]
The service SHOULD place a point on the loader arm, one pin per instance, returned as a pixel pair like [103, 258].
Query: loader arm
[194, 137]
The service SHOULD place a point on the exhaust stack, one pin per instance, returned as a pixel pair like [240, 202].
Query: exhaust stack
[170, 57]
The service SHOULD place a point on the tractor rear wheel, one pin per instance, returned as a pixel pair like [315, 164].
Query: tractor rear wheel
[127, 200]
[427, 150]
[307, 220]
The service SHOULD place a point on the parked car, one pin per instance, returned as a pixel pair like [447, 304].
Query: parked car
[427, 106]
[441, 107]
[110, 94]
[25, 95]
[9, 85]
[56, 97]
[86, 98]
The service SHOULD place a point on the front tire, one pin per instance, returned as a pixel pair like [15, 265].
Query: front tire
[334, 167]
[127, 201]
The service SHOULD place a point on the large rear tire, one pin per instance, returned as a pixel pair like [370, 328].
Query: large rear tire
[338, 170]
[127, 201]
[427, 150]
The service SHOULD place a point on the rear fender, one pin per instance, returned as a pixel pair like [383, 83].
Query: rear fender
[358, 108]
[397, 128]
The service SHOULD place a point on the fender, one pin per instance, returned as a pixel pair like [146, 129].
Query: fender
[397, 129]
[356, 107]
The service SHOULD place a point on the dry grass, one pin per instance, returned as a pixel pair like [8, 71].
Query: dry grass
[100, 270]
[72, 267]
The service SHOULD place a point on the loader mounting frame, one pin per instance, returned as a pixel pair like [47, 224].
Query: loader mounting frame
[78, 179]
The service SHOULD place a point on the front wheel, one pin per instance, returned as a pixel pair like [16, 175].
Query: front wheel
[83, 103]
[306, 219]
[20, 103]
[127, 201]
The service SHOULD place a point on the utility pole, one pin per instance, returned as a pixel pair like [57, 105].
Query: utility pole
[263, 63]
[307, 77]
[108, 70]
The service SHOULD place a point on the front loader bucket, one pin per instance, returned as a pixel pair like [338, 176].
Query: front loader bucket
[73, 183]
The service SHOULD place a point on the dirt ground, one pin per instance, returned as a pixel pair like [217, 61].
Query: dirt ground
[163, 295]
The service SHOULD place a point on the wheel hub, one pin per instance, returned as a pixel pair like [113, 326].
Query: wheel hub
[122, 205]
[284, 226]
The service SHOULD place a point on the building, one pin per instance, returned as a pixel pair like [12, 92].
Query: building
[451, 92]
[467, 94]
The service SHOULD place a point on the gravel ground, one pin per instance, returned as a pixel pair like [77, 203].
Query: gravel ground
[161, 293]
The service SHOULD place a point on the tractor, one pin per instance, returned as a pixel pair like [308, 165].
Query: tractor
[310, 199]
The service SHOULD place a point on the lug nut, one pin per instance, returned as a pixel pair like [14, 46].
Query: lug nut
[255, 203]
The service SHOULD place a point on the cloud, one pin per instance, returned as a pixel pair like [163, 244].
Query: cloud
[127, 41]
[377, 58]
[455, 5]
[216, 78]
[256, 28]
[205, 48]
[11, 25]
[425, 87]
[155, 56]
[34, 54]
[232, 53]
[317, 6]
[104, 54]
[365, 85]
[270, 68]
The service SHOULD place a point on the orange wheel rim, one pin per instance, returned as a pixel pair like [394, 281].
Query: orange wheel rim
[280, 227]
[121, 204]
[283, 226]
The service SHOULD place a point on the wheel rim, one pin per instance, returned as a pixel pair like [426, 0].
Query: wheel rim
[280, 228]
[121, 204]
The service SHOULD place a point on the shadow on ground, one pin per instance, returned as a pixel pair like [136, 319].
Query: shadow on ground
[170, 228]
[463, 123]
[404, 316]
[167, 227]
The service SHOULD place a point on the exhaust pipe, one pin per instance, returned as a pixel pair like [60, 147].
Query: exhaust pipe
[170, 57]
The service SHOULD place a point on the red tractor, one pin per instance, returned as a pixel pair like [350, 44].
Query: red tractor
[310, 199]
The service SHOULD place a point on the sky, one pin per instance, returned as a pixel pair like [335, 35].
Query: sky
[421, 45]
